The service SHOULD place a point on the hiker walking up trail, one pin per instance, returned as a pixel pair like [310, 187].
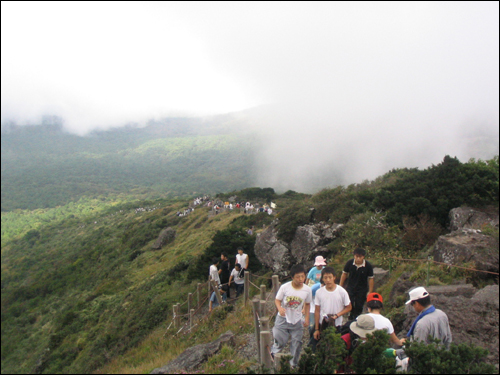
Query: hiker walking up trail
[237, 275]
[430, 321]
[225, 271]
[290, 300]
[213, 272]
[359, 275]
[314, 274]
[332, 302]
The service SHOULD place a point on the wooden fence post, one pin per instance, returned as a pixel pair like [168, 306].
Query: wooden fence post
[263, 312]
[198, 294]
[191, 318]
[174, 311]
[178, 315]
[190, 301]
[265, 355]
[256, 308]
[246, 290]
[276, 283]
[263, 292]
[264, 324]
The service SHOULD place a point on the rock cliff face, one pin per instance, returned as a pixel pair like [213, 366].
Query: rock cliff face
[472, 218]
[308, 242]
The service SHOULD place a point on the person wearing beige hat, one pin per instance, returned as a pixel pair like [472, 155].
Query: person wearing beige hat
[358, 330]
[364, 325]
[431, 322]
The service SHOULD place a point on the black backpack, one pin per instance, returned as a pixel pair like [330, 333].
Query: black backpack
[241, 274]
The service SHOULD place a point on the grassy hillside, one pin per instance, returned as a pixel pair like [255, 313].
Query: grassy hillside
[90, 289]
[82, 287]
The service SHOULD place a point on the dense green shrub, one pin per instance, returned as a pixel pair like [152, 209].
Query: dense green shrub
[368, 358]
[290, 218]
[459, 359]
[228, 241]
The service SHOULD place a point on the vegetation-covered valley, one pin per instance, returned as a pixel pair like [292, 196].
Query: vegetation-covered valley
[43, 166]
[82, 288]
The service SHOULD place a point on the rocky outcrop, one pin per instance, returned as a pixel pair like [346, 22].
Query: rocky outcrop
[461, 247]
[473, 315]
[166, 236]
[472, 218]
[308, 242]
[380, 277]
[193, 357]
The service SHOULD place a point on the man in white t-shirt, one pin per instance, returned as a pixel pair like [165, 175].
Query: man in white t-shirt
[214, 272]
[375, 305]
[332, 301]
[239, 280]
[290, 300]
[242, 258]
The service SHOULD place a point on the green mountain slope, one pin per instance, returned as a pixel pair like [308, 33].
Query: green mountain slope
[81, 284]
[43, 166]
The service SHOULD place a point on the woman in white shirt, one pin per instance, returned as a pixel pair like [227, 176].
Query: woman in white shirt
[374, 305]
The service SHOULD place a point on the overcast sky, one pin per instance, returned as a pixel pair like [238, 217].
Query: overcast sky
[376, 84]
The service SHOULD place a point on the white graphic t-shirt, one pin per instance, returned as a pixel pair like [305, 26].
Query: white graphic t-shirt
[292, 300]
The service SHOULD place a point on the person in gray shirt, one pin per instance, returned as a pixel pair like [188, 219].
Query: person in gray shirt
[431, 322]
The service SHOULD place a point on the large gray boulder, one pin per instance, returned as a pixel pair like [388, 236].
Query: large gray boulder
[193, 357]
[308, 242]
[461, 247]
[473, 218]
[165, 237]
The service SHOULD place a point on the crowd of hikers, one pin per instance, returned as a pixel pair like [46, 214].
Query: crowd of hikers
[315, 301]
[224, 277]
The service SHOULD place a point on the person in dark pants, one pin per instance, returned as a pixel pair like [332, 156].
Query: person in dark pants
[358, 273]
[225, 271]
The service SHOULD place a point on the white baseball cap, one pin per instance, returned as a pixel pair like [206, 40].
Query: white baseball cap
[417, 293]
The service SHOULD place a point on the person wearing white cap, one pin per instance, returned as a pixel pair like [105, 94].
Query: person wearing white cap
[430, 322]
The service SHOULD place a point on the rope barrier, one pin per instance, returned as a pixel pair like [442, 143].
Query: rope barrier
[258, 287]
[169, 326]
[444, 264]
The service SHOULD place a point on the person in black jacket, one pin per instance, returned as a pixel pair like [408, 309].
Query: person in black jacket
[225, 271]
[358, 273]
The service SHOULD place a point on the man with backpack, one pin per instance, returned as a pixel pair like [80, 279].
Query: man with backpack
[238, 276]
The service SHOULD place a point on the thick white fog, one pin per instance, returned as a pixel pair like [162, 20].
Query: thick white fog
[344, 91]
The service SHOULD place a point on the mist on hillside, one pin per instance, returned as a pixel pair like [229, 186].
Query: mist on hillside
[336, 93]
